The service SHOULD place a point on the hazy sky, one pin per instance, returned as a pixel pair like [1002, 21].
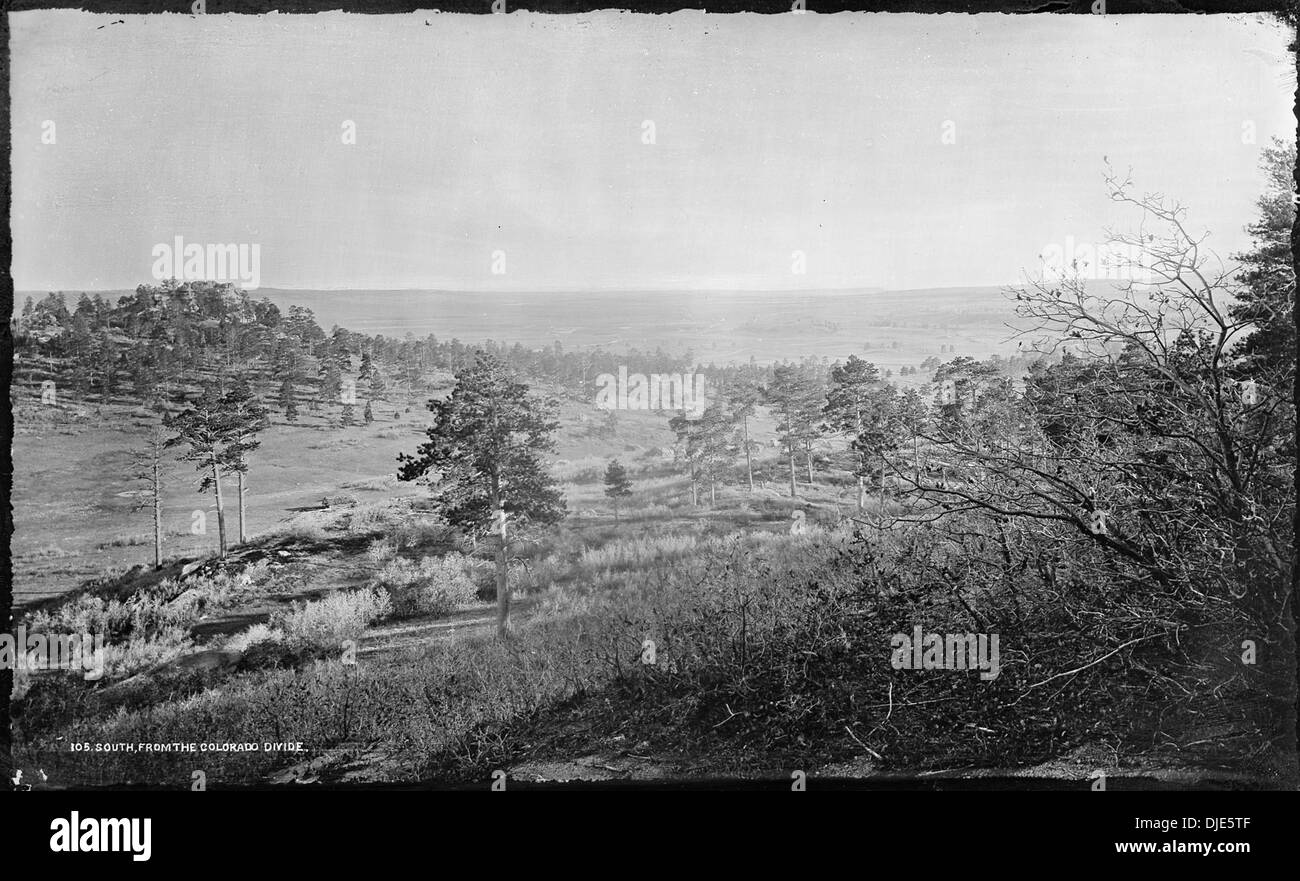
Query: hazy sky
[524, 134]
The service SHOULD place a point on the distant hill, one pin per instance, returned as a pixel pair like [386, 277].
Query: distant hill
[891, 327]
[902, 326]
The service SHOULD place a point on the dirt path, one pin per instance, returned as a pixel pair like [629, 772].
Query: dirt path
[478, 621]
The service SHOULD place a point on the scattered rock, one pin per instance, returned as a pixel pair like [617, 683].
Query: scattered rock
[184, 597]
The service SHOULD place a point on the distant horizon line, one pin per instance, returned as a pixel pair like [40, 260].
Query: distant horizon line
[647, 290]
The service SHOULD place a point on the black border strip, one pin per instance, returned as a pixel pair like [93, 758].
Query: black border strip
[1288, 10]
[765, 7]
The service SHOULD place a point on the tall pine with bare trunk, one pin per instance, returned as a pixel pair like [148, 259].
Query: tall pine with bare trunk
[206, 428]
[617, 485]
[483, 459]
[248, 418]
[147, 467]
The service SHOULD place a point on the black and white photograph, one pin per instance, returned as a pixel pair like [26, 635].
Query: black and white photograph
[612, 400]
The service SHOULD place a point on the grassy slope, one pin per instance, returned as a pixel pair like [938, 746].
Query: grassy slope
[318, 552]
[568, 696]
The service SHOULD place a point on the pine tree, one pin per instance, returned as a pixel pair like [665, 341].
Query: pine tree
[795, 400]
[854, 385]
[702, 445]
[617, 485]
[206, 428]
[911, 411]
[331, 381]
[1267, 299]
[105, 355]
[144, 378]
[147, 468]
[879, 433]
[743, 396]
[485, 450]
[288, 399]
[248, 417]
